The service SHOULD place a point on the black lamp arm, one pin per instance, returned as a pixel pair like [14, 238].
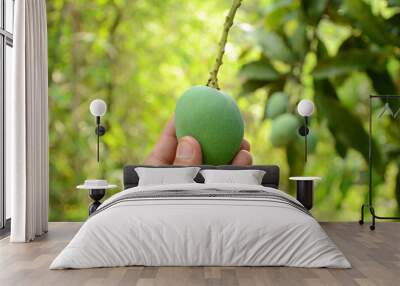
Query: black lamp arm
[303, 131]
[100, 131]
[305, 138]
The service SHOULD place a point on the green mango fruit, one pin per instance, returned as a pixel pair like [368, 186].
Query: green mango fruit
[214, 120]
[284, 129]
[277, 104]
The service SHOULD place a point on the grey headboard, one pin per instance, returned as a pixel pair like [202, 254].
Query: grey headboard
[271, 177]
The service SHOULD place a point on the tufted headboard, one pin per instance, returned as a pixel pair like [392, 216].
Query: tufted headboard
[270, 179]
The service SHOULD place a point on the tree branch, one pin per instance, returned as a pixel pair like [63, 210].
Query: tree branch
[213, 79]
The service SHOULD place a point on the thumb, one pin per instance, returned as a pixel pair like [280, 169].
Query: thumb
[188, 152]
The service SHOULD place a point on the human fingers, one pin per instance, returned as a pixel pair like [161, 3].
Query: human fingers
[188, 152]
[245, 145]
[242, 158]
[163, 152]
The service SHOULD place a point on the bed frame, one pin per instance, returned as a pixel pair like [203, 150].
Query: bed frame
[270, 179]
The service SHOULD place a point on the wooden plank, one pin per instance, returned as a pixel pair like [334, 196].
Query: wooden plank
[375, 257]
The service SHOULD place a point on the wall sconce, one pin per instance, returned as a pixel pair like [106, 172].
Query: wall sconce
[305, 108]
[98, 108]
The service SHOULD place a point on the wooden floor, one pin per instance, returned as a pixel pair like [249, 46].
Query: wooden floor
[375, 257]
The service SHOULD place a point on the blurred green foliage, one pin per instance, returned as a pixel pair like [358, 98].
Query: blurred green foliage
[140, 55]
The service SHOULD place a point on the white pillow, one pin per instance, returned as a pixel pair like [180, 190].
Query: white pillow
[248, 177]
[163, 176]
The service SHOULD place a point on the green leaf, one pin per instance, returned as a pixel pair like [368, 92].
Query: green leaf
[335, 14]
[298, 41]
[257, 74]
[258, 70]
[393, 3]
[372, 26]
[341, 148]
[382, 82]
[250, 86]
[344, 63]
[274, 46]
[347, 126]
[277, 13]
[313, 9]
[322, 51]
[393, 23]
[353, 42]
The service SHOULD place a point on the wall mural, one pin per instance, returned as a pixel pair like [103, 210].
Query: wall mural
[139, 59]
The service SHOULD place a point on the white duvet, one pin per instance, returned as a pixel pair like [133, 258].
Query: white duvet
[200, 231]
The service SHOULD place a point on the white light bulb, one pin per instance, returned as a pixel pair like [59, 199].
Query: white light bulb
[305, 107]
[98, 107]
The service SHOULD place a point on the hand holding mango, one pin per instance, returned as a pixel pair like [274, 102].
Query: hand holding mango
[187, 150]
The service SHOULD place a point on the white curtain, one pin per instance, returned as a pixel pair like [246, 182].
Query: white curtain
[27, 124]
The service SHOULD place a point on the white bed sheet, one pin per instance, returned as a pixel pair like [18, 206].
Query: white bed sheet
[200, 231]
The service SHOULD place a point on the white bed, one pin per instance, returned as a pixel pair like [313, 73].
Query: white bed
[207, 230]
